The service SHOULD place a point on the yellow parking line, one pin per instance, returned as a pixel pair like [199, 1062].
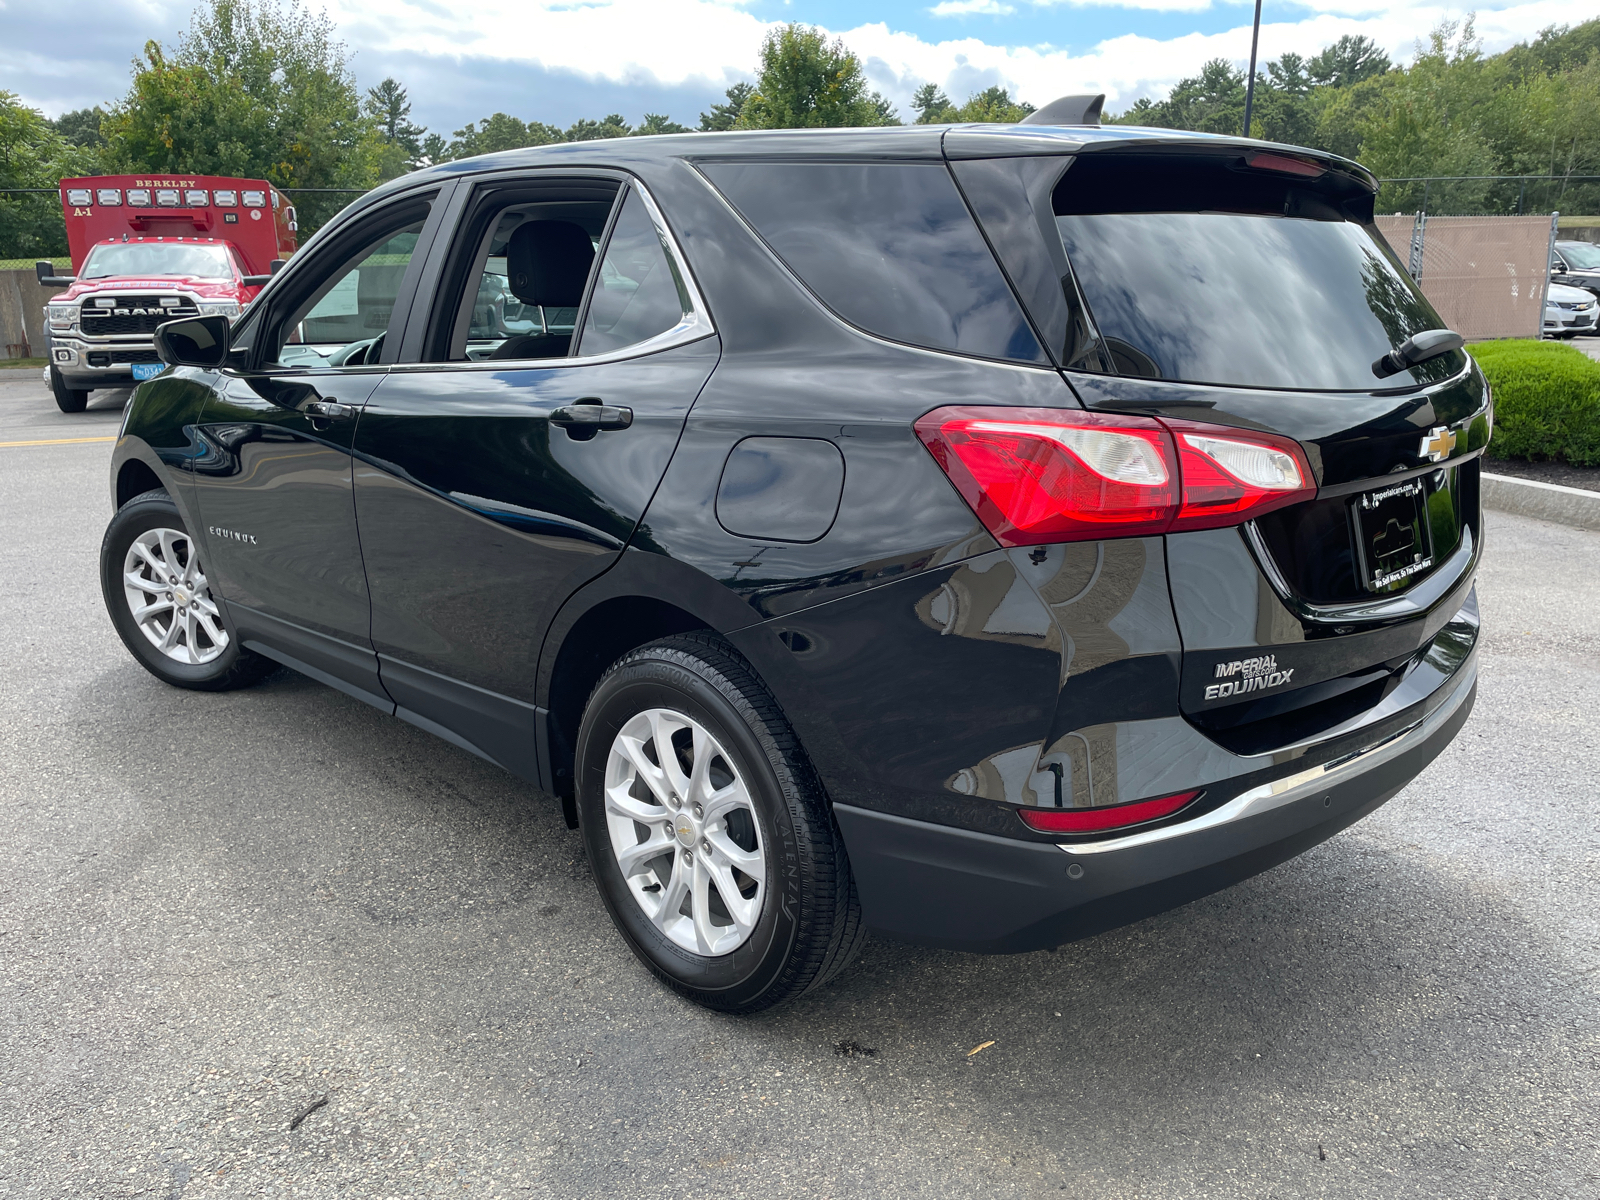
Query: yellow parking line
[58, 441]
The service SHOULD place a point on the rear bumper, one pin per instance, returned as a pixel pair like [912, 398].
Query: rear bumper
[955, 888]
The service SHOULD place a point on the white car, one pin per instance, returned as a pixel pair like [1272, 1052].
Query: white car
[1569, 311]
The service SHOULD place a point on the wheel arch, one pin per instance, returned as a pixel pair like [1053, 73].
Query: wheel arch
[134, 477]
[643, 597]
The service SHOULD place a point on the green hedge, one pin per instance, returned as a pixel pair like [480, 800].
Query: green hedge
[1546, 401]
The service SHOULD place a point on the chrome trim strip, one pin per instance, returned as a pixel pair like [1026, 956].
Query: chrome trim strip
[1414, 602]
[1268, 796]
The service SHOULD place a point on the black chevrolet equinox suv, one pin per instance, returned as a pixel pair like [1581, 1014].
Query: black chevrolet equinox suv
[982, 535]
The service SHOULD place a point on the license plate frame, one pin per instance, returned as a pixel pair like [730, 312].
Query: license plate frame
[1393, 535]
[143, 371]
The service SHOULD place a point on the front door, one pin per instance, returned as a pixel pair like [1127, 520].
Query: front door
[495, 480]
[273, 482]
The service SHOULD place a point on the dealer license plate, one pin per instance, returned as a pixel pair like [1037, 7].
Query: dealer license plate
[1394, 538]
[143, 371]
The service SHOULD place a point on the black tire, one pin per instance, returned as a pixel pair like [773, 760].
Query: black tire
[235, 667]
[809, 927]
[68, 399]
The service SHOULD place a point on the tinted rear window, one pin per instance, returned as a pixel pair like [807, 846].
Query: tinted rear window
[890, 247]
[1210, 274]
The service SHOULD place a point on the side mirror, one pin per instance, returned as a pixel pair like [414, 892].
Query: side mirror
[255, 280]
[45, 273]
[194, 342]
[277, 265]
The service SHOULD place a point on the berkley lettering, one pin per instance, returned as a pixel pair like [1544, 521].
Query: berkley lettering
[234, 534]
[1259, 673]
[164, 183]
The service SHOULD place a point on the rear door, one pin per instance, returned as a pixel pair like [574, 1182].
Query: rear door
[513, 460]
[1247, 290]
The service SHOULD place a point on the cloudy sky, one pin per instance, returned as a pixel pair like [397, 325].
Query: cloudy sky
[557, 60]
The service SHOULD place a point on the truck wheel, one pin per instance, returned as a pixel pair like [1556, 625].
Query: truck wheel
[708, 832]
[68, 399]
[161, 604]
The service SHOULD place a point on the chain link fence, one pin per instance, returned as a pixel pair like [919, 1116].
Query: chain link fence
[1486, 275]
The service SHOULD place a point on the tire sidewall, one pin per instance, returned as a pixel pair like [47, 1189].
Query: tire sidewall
[153, 511]
[68, 399]
[727, 981]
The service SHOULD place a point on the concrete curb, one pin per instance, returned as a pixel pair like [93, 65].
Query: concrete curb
[1546, 501]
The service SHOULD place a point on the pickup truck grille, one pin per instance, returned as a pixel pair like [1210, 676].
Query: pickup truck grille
[132, 314]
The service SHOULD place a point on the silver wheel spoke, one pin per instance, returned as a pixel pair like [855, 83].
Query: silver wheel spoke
[174, 617]
[633, 859]
[685, 818]
[672, 894]
[149, 610]
[749, 861]
[706, 935]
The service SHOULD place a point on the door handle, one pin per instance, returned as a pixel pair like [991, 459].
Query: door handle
[330, 408]
[588, 417]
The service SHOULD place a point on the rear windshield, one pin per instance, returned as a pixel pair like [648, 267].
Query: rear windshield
[1210, 273]
[123, 259]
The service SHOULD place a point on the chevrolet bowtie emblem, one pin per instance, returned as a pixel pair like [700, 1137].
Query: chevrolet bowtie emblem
[1437, 444]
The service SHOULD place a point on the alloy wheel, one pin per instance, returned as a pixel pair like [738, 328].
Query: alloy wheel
[685, 832]
[170, 598]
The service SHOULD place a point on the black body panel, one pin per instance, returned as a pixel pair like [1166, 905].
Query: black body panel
[274, 494]
[447, 552]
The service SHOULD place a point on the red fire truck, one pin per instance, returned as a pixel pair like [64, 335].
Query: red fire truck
[147, 250]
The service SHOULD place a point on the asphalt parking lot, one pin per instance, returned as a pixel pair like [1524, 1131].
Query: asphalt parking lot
[216, 910]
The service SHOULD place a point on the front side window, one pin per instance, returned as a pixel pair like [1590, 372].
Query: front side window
[156, 259]
[890, 247]
[1211, 274]
[344, 320]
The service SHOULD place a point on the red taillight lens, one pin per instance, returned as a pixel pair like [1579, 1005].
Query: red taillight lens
[1098, 820]
[1229, 476]
[1284, 164]
[1041, 475]
[1036, 475]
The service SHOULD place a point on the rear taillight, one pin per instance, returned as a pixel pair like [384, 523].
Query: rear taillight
[1036, 475]
[1098, 820]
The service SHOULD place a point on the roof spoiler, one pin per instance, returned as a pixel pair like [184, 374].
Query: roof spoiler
[1069, 110]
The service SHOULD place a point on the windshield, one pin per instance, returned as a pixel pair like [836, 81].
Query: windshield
[1580, 257]
[125, 259]
[1240, 283]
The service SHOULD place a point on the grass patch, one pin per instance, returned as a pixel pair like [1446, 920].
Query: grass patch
[8, 364]
[1546, 401]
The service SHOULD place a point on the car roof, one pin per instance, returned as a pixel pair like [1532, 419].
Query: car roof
[885, 142]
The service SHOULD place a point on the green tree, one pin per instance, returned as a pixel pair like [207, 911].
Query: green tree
[255, 88]
[612, 125]
[723, 117]
[808, 82]
[390, 107]
[654, 123]
[932, 106]
[82, 127]
[34, 155]
[1348, 61]
[992, 104]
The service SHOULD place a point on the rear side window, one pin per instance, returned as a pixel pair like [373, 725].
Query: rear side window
[1207, 273]
[638, 293]
[890, 247]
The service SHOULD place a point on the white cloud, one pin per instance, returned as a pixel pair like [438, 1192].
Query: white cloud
[711, 42]
[970, 8]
